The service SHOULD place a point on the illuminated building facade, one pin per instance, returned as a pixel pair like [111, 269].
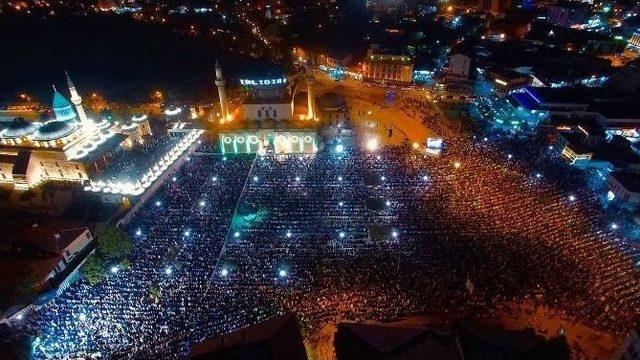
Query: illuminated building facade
[222, 95]
[383, 67]
[262, 141]
[269, 99]
[66, 147]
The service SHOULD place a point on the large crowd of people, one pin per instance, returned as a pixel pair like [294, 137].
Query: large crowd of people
[231, 240]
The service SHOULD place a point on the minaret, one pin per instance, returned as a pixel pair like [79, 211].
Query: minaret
[221, 92]
[311, 106]
[87, 124]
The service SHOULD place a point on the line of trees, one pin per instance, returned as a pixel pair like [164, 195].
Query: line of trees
[113, 248]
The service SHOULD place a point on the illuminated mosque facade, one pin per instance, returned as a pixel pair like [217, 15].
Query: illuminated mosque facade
[68, 147]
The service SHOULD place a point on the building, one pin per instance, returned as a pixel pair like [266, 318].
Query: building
[268, 99]
[384, 67]
[43, 252]
[459, 65]
[68, 147]
[507, 79]
[466, 340]
[568, 13]
[332, 108]
[264, 140]
[329, 57]
[634, 42]
[625, 186]
[275, 339]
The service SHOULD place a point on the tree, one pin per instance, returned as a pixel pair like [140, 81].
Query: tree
[114, 243]
[93, 269]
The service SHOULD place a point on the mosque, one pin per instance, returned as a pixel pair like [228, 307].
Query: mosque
[69, 147]
[267, 113]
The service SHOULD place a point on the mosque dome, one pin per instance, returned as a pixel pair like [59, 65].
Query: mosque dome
[19, 128]
[54, 130]
[62, 107]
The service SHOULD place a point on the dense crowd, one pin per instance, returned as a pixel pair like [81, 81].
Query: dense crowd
[232, 240]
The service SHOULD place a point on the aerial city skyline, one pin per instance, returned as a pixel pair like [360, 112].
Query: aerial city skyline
[336, 179]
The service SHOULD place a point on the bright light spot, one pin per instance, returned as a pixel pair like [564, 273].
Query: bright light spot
[82, 317]
[255, 178]
[215, 178]
[202, 203]
[224, 158]
[288, 234]
[188, 158]
[550, 147]
[425, 178]
[114, 269]
[383, 178]
[388, 203]
[297, 178]
[340, 203]
[341, 234]
[372, 144]
[394, 234]
[168, 271]
[538, 175]
[611, 196]
[158, 203]
[339, 148]
[339, 178]
[19, 316]
[187, 233]
[236, 234]
[224, 272]
[509, 156]
[485, 139]
[174, 179]
[614, 226]
[416, 145]
[282, 273]
[572, 198]
[457, 165]
[138, 232]
[378, 157]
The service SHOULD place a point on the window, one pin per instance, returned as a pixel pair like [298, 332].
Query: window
[275, 113]
[259, 113]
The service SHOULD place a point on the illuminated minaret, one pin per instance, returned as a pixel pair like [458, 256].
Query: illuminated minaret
[221, 92]
[87, 124]
[311, 113]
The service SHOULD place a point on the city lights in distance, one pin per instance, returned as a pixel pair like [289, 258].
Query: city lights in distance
[187, 233]
[614, 226]
[168, 270]
[288, 234]
[282, 273]
[114, 269]
[202, 203]
[340, 203]
[394, 234]
[138, 232]
[611, 195]
[224, 272]
[236, 234]
[158, 203]
[339, 148]
[342, 234]
[255, 178]
[572, 198]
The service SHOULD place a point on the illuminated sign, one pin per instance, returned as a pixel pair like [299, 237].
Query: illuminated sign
[434, 143]
[252, 82]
